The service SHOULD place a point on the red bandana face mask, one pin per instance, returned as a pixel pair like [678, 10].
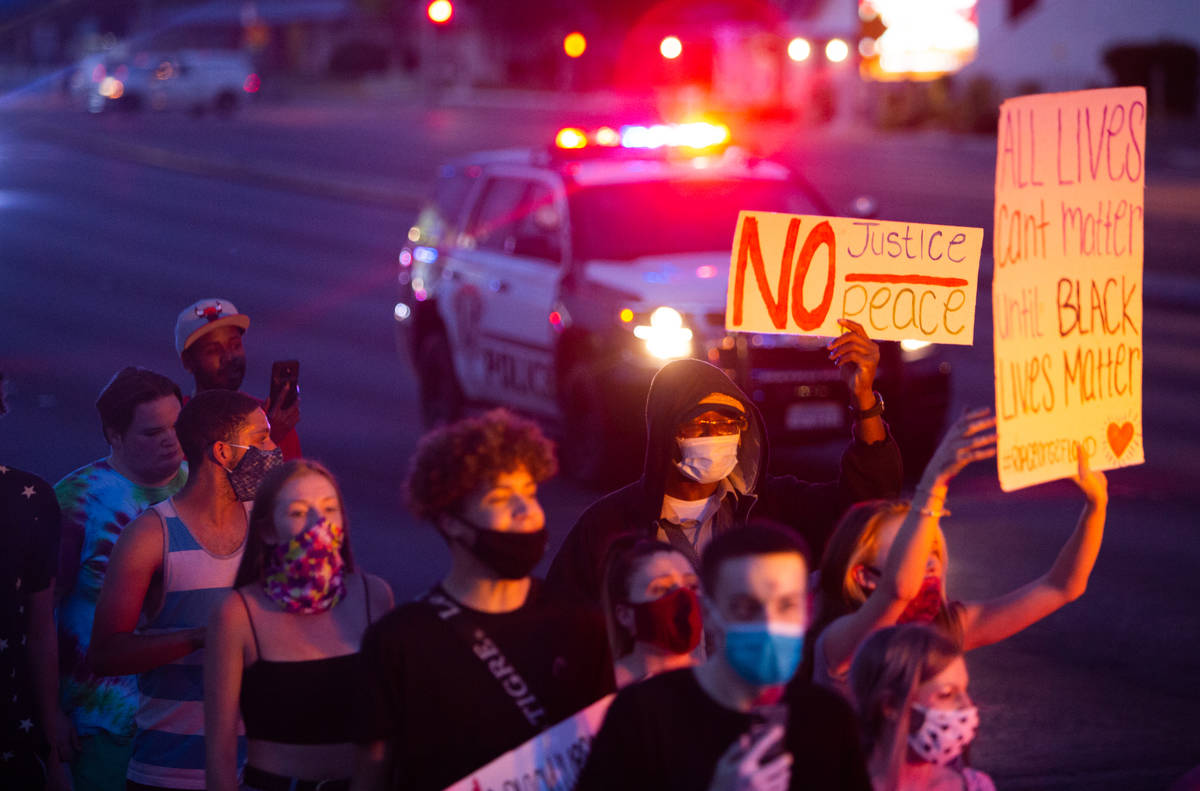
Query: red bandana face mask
[305, 575]
[671, 622]
[925, 606]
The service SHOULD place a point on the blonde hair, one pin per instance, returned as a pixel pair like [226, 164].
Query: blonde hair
[838, 590]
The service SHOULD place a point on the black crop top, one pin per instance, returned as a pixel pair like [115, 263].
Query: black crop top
[304, 702]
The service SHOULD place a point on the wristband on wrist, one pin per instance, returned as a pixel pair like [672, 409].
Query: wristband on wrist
[937, 514]
[871, 411]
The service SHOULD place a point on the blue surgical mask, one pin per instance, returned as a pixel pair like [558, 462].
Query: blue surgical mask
[764, 653]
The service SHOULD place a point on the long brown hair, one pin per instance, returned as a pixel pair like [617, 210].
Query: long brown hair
[885, 674]
[262, 519]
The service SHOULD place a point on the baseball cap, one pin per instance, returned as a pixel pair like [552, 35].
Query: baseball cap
[717, 402]
[203, 317]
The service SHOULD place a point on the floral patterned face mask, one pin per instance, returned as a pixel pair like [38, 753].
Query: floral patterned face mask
[305, 575]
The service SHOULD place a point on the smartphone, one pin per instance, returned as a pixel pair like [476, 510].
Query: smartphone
[283, 374]
[764, 718]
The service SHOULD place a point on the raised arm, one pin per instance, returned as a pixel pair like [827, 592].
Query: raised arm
[224, 661]
[970, 439]
[987, 622]
[115, 649]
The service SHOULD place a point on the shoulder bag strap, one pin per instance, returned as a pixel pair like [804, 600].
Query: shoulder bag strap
[509, 678]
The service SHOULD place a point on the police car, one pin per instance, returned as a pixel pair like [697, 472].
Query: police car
[556, 281]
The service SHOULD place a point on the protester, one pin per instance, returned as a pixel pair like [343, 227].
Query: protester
[652, 609]
[138, 409]
[169, 570]
[731, 723]
[917, 718]
[285, 642]
[36, 739]
[208, 340]
[705, 469]
[887, 563]
[484, 661]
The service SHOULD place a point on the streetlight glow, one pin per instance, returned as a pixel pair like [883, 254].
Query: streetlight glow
[799, 49]
[837, 50]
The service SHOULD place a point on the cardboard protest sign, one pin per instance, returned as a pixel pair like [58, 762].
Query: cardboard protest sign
[550, 761]
[799, 274]
[1067, 289]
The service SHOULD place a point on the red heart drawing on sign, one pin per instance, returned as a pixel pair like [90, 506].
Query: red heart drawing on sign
[1119, 437]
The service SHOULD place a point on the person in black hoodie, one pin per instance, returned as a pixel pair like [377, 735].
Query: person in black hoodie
[705, 470]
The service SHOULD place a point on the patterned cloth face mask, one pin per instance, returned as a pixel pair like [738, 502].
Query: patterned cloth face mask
[248, 473]
[305, 575]
[925, 606]
[943, 733]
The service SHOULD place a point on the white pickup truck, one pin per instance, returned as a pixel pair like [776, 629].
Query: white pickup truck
[192, 80]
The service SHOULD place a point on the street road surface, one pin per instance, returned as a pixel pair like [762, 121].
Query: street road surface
[109, 226]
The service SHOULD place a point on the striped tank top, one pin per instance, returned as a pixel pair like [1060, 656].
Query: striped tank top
[168, 750]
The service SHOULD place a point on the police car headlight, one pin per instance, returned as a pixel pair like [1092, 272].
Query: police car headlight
[914, 349]
[665, 335]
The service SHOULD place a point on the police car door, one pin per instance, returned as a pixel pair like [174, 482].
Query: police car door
[511, 270]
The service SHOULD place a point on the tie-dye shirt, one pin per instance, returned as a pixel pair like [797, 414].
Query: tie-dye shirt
[98, 501]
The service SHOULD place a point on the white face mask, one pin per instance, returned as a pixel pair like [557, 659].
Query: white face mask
[943, 733]
[708, 459]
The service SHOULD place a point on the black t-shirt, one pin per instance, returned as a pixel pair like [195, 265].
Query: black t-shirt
[667, 734]
[452, 688]
[29, 535]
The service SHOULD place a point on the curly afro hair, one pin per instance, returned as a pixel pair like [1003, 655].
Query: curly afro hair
[455, 460]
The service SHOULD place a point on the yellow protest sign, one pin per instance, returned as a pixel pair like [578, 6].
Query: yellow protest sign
[799, 274]
[1067, 289]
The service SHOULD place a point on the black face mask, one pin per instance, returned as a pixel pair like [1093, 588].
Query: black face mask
[511, 555]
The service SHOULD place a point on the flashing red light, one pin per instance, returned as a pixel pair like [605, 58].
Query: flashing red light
[440, 11]
[696, 136]
[670, 47]
[574, 44]
[556, 319]
[252, 83]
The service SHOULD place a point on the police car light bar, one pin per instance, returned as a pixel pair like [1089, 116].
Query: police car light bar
[697, 135]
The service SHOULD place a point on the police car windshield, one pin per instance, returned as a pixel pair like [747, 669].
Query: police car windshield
[621, 222]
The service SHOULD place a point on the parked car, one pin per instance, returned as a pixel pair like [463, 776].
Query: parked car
[557, 281]
[194, 80]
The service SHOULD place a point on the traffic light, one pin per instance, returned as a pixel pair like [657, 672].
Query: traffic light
[440, 11]
[574, 44]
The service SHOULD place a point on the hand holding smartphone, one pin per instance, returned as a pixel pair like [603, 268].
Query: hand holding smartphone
[285, 383]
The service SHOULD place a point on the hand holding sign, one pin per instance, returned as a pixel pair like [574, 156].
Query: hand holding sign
[858, 358]
[1092, 483]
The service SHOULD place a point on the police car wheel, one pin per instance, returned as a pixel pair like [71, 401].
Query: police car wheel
[441, 395]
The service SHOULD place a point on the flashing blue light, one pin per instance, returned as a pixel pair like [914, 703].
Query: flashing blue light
[426, 255]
